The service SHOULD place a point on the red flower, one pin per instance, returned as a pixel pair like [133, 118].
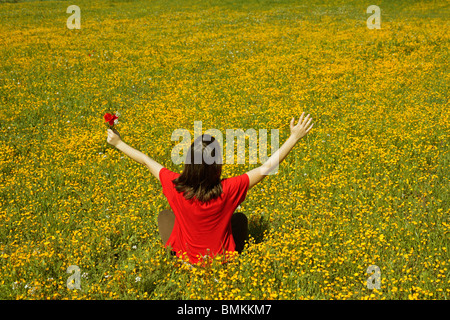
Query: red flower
[109, 118]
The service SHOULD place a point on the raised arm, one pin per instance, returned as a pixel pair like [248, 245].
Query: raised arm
[115, 140]
[297, 132]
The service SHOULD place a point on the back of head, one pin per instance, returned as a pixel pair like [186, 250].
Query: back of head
[202, 169]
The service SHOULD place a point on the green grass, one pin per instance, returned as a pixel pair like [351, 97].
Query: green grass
[369, 185]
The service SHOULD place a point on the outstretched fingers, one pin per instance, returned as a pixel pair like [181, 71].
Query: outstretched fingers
[307, 123]
[307, 130]
[305, 120]
[301, 118]
[291, 124]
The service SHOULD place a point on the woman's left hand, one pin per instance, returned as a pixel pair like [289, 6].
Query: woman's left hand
[113, 137]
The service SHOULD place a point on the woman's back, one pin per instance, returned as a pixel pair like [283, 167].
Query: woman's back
[203, 228]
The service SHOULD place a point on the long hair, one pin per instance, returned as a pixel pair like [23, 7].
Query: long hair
[202, 169]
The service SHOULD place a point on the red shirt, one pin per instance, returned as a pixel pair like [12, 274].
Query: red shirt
[200, 226]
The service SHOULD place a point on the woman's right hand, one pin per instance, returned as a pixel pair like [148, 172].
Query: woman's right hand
[302, 127]
[113, 137]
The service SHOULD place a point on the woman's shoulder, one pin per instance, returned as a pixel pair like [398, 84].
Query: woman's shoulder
[167, 170]
[235, 180]
[168, 174]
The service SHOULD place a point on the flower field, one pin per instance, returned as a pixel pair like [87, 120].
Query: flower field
[369, 185]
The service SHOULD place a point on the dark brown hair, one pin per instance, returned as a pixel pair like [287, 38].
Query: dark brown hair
[202, 169]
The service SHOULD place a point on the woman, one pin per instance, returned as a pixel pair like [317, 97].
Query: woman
[201, 222]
